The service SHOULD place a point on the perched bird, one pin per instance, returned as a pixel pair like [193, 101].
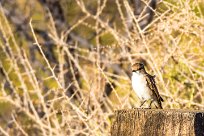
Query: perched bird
[144, 86]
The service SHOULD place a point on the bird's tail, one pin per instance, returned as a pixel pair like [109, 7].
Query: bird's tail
[157, 104]
[160, 105]
[161, 99]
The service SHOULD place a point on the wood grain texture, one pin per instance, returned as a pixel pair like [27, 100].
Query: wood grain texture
[158, 122]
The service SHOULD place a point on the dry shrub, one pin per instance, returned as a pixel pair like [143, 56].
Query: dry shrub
[34, 98]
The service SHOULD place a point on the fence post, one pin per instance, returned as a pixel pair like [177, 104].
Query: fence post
[158, 122]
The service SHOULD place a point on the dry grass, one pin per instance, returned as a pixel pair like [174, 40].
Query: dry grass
[172, 45]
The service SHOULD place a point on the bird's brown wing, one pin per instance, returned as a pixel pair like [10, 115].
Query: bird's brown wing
[152, 85]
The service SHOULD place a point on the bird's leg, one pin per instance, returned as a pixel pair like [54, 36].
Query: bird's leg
[142, 103]
[156, 106]
[150, 103]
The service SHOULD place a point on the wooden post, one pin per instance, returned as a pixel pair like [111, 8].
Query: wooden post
[158, 122]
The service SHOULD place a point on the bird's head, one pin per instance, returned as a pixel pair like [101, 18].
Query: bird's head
[137, 67]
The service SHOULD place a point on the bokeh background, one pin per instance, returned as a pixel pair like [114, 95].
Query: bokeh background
[65, 65]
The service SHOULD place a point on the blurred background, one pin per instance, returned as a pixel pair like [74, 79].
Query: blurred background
[65, 65]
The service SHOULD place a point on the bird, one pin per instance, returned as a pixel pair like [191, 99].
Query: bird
[144, 86]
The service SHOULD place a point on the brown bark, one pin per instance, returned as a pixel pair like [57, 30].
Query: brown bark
[156, 122]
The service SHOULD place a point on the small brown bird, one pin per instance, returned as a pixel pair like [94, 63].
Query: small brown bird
[144, 86]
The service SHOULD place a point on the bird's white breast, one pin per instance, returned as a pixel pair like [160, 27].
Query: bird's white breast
[140, 87]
